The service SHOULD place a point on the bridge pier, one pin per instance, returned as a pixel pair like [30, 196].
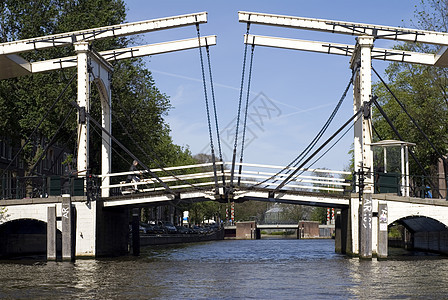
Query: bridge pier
[68, 238]
[343, 240]
[51, 233]
[352, 234]
[337, 233]
[136, 231]
[382, 231]
[363, 232]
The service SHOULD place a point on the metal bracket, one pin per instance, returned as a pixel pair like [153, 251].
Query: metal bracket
[82, 119]
[366, 110]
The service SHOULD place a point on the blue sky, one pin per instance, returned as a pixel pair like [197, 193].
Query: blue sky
[294, 91]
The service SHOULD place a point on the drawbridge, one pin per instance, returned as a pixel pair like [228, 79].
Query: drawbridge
[101, 219]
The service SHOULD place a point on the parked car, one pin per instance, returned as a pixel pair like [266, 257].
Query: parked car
[158, 229]
[169, 227]
[199, 229]
[182, 230]
[144, 228]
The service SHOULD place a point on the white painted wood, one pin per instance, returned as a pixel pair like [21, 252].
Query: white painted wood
[67, 38]
[350, 28]
[342, 49]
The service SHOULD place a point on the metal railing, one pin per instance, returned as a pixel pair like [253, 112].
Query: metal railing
[419, 186]
[20, 187]
[200, 176]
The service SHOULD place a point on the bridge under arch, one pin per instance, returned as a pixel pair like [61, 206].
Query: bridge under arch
[423, 233]
[25, 237]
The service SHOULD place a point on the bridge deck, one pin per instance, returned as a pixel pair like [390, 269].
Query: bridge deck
[192, 195]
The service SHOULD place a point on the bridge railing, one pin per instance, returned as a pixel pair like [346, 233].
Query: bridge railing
[418, 186]
[23, 187]
[428, 187]
[269, 176]
[180, 177]
[252, 175]
[19, 187]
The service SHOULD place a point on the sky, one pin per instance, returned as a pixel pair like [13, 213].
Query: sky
[292, 92]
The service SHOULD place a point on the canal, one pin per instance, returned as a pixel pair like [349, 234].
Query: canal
[230, 269]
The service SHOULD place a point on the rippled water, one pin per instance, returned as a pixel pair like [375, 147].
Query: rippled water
[255, 269]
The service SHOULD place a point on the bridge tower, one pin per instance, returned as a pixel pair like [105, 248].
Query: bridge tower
[93, 67]
[363, 155]
[362, 228]
[96, 228]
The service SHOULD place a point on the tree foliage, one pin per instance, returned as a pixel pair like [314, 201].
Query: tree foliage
[138, 106]
[422, 90]
[250, 210]
[319, 214]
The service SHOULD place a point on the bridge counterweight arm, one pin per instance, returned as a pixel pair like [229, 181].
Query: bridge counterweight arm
[118, 54]
[67, 38]
[346, 50]
[350, 28]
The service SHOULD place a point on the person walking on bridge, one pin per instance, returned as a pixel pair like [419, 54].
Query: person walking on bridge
[133, 177]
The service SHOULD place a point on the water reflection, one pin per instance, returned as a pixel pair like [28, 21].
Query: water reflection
[262, 269]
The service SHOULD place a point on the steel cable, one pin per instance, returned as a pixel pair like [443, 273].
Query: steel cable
[207, 109]
[232, 172]
[245, 114]
[310, 146]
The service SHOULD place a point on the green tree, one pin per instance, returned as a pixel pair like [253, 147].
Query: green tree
[319, 214]
[201, 211]
[3, 213]
[296, 213]
[138, 106]
[250, 210]
[422, 90]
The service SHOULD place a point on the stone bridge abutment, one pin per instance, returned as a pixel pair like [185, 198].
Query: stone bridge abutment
[95, 231]
[425, 220]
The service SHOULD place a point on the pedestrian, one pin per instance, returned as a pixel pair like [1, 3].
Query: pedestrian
[133, 177]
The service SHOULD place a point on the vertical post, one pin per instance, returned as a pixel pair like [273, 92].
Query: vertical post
[357, 127]
[382, 231]
[68, 247]
[51, 233]
[363, 138]
[406, 157]
[136, 231]
[82, 49]
[385, 159]
[403, 172]
[232, 213]
[106, 144]
[337, 234]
